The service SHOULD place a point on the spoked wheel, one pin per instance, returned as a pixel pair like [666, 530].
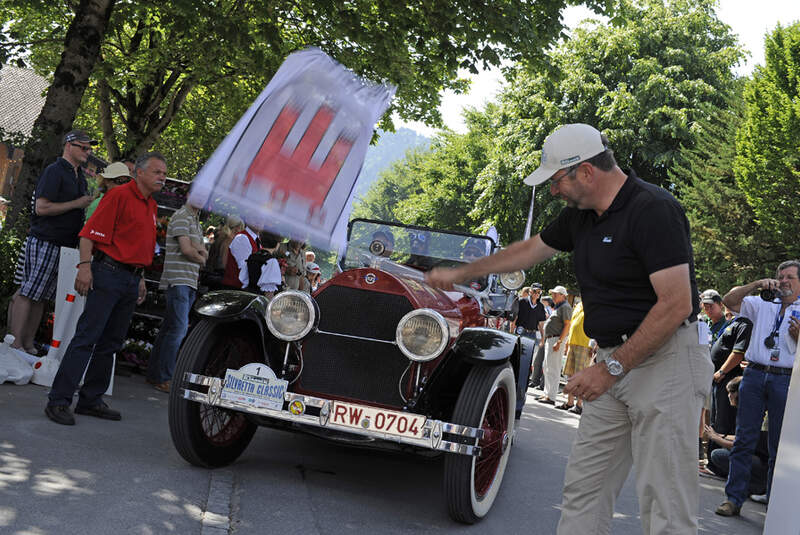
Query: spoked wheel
[487, 400]
[205, 435]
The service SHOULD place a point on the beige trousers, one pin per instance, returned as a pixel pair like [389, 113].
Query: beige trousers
[649, 419]
[551, 367]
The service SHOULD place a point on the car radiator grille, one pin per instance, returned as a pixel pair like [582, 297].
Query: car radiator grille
[352, 368]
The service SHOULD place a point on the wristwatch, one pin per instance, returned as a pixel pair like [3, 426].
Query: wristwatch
[614, 367]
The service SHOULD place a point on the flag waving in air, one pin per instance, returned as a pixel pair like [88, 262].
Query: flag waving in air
[291, 162]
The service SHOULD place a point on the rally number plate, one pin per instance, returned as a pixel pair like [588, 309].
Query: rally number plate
[253, 390]
[392, 422]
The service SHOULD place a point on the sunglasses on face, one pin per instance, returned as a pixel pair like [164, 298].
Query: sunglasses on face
[84, 148]
[120, 180]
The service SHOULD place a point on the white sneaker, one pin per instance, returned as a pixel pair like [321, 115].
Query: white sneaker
[760, 498]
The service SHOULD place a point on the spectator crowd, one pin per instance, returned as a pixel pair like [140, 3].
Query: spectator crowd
[636, 339]
[114, 231]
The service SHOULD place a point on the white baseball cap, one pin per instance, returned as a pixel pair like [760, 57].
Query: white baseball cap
[566, 146]
[559, 290]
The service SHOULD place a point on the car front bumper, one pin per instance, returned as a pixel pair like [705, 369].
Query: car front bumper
[433, 432]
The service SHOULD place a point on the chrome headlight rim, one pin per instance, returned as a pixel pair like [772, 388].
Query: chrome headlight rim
[442, 325]
[504, 282]
[312, 315]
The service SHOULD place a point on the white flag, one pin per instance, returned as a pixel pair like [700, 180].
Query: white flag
[291, 162]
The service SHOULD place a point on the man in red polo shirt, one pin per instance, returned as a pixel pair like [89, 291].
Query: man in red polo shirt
[122, 235]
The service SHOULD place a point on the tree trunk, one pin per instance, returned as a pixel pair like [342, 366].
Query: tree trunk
[81, 50]
[106, 121]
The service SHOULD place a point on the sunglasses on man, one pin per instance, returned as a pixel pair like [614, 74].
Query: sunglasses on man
[84, 148]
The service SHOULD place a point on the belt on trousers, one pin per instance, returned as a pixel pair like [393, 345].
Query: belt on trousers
[777, 370]
[107, 260]
[618, 340]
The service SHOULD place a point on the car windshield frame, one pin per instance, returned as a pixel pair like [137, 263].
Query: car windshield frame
[419, 247]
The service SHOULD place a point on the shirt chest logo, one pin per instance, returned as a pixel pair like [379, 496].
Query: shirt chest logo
[608, 239]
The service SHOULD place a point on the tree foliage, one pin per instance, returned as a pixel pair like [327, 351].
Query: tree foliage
[157, 56]
[79, 50]
[645, 81]
[767, 162]
[730, 246]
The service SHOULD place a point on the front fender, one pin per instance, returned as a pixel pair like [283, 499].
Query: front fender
[230, 304]
[481, 345]
[235, 306]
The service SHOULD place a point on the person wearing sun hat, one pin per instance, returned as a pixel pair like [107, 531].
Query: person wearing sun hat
[114, 175]
[633, 261]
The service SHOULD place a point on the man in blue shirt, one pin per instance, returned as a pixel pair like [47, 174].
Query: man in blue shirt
[765, 382]
[60, 201]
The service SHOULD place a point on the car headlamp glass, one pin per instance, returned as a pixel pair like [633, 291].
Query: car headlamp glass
[422, 334]
[512, 281]
[290, 315]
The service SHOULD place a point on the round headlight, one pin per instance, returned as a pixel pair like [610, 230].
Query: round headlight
[422, 334]
[291, 315]
[512, 281]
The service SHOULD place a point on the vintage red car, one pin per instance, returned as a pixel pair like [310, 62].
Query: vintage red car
[375, 357]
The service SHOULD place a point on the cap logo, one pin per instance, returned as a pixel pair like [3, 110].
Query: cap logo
[567, 161]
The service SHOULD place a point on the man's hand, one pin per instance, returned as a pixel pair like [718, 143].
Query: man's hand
[590, 383]
[794, 327]
[556, 346]
[142, 292]
[83, 281]
[443, 278]
[85, 201]
[768, 284]
[718, 375]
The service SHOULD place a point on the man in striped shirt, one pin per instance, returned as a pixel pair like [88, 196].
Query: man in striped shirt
[185, 254]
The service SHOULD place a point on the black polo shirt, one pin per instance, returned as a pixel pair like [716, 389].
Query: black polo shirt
[530, 315]
[734, 337]
[59, 183]
[643, 231]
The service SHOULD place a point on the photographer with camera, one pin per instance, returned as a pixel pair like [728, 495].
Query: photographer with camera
[765, 382]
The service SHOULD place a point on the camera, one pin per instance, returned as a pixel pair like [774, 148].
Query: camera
[769, 341]
[769, 294]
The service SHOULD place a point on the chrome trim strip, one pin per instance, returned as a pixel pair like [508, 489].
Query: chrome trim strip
[391, 342]
[431, 434]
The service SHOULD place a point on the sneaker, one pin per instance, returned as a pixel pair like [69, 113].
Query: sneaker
[728, 508]
[564, 407]
[576, 410]
[101, 410]
[547, 401]
[60, 414]
[759, 498]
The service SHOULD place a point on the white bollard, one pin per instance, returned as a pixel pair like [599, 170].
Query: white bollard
[783, 512]
[69, 307]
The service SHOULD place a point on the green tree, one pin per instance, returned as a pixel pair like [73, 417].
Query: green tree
[767, 163]
[644, 81]
[394, 184]
[730, 246]
[156, 54]
[79, 50]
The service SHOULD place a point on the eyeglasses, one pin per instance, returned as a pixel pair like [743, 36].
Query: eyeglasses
[570, 170]
[120, 179]
[84, 148]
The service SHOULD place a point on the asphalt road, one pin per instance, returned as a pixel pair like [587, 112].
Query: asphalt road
[102, 477]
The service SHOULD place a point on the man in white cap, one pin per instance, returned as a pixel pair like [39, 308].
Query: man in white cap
[556, 329]
[633, 261]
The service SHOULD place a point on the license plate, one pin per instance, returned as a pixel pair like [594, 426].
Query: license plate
[385, 421]
[254, 390]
